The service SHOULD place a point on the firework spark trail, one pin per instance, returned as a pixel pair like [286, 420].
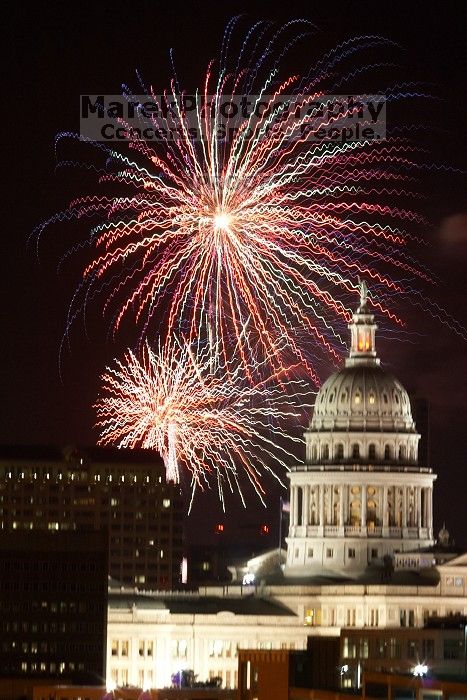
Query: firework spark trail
[208, 423]
[262, 237]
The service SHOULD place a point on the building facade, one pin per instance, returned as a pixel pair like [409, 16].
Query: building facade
[361, 494]
[53, 606]
[439, 649]
[151, 637]
[122, 492]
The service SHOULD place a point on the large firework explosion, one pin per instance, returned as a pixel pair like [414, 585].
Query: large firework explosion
[260, 236]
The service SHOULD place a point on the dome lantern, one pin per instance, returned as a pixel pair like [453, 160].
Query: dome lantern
[362, 329]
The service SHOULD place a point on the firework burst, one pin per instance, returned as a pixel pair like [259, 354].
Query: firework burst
[207, 424]
[242, 243]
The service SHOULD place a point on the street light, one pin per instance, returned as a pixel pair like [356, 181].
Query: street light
[420, 670]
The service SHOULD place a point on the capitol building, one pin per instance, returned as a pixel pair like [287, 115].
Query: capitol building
[360, 547]
[361, 494]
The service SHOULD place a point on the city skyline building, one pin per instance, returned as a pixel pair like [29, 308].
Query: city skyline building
[122, 492]
[53, 607]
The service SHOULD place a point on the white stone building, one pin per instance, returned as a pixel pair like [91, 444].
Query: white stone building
[151, 637]
[361, 493]
[360, 496]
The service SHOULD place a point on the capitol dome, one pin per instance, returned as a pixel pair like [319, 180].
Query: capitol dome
[362, 397]
[360, 495]
[362, 411]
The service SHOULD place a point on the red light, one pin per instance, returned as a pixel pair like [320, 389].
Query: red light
[219, 528]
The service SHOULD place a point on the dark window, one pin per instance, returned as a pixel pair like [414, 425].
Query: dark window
[428, 648]
[453, 648]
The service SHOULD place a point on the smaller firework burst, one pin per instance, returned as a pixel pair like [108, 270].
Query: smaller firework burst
[201, 421]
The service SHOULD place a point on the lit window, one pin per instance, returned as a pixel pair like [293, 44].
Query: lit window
[357, 398]
[372, 398]
[166, 503]
[180, 648]
[309, 617]
[349, 648]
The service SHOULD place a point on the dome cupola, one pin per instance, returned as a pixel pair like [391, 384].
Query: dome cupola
[362, 400]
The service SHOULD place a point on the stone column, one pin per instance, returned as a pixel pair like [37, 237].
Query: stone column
[404, 506]
[430, 512]
[363, 506]
[346, 503]
[306, 506]
[292, 505]
[385, 507]
[418, 493]
[321, 505]
[341, 505]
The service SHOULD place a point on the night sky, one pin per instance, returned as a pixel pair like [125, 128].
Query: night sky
[55, 52]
